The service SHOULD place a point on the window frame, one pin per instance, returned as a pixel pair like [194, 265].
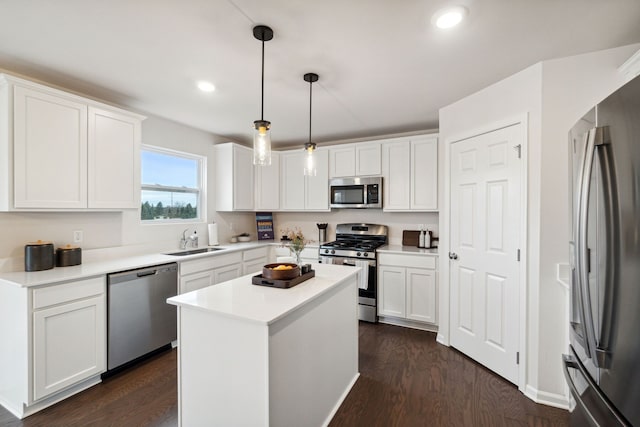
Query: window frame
[200, 191]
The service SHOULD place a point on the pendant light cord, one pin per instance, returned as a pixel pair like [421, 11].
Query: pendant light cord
[310, 104]
[262, 83]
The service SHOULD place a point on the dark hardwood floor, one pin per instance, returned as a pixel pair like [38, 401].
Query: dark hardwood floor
[406, 379]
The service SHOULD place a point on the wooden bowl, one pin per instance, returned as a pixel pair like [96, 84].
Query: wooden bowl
[268, 271]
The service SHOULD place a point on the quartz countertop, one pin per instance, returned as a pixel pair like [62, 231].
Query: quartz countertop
[400, 249]
[97, 268]
[239, 298]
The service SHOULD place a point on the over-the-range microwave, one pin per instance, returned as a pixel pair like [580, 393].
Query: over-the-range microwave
[356, 192]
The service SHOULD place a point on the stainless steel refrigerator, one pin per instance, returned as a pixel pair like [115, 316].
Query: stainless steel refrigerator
[602, 368]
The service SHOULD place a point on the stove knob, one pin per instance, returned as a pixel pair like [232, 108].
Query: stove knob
[366, 254]
[332, 251]
[360, 254]
[326, 251]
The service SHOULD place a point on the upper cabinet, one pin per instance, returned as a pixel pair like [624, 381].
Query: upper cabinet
[361, 159]
[59, 151]
[234, 177]
[410, 170]
[304, 193]
[267, 184]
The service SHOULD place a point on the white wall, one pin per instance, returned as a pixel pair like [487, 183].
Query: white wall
[554, 94]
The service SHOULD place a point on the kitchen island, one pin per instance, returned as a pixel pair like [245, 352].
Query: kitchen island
[258, 356]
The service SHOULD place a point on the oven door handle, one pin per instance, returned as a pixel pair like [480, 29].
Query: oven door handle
[345, 262]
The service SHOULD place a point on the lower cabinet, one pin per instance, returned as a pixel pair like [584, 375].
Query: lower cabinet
[206, 271]
[69, 334]
[254, 259]
[407, 287]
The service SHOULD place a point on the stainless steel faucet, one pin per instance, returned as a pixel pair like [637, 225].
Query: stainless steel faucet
[185, 241]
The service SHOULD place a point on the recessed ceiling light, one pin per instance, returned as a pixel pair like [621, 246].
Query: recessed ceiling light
[206, 86]
[449, 17]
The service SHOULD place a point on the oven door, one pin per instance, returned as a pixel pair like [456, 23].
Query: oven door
[367, 309]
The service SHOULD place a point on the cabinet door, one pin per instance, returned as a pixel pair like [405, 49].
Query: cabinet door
[391, 291]
[396, 158]
[222, 274]
[368, 159]
[195, 281]
[342, 161]
[267, 185]
[113, 160]
[424, 173]
[69, 344]
[317, 187]
[292, 182]
[50, 150]
[421, 295]
[254, 266]
[242, 178]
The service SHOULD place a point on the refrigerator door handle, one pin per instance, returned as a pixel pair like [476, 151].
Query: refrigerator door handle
[611, 224]
[594, 138]
[580, 241]
[571, 362]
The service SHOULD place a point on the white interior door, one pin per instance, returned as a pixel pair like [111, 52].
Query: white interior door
[486, 212]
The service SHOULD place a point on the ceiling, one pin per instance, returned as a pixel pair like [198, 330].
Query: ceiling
[383, 67]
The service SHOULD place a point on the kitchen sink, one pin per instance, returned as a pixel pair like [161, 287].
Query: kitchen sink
[194, 251]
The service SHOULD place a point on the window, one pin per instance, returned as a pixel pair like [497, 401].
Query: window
[171, 186]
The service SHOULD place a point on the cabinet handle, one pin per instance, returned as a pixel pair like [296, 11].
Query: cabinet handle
[453, 255]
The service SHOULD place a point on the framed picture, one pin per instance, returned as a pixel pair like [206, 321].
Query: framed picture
[264, 223]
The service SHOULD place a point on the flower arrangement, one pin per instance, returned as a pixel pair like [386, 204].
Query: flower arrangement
[296, 240]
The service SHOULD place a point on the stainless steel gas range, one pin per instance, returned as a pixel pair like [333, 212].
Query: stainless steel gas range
[356, 245]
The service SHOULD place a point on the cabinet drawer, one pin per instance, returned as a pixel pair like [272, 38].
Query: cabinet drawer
[255, 253]
[417, 261]
[210, 262]
[57, 294]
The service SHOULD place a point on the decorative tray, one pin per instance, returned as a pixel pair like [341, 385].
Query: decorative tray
[275, 283]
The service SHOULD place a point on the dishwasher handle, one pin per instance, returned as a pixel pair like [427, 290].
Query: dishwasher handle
[147, 273]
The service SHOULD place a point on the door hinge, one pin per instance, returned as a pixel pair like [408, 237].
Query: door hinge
[518, 255]
[518, 148]
[517, 357]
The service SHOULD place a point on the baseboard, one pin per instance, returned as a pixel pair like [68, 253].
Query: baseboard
[440, 339]
[546, 398]
[408, 324]
[340, 400]
[25, 411]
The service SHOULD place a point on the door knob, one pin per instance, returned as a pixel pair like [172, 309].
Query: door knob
[453, 255]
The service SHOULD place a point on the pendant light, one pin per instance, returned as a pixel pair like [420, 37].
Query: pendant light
[310, 161]
[262, 127]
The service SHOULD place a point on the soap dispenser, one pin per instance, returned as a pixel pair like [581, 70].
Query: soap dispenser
[421, 237]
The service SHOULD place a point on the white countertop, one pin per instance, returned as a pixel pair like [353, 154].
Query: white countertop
[97, 268]
[399, 249]
[239, 298]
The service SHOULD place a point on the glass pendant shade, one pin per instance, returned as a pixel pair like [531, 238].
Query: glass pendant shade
[262, 143]
[310, 160]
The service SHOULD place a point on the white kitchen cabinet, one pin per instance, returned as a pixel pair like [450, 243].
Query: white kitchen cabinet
[391, 291]
[69, 334]
[267, 185]
[59, 151]
[407, 288]
[50, 150]
[254, 259]
[304, 193]
[209, 270]
[368, 158]
[234, 177]
[410, 171]
[342, 161]
[361, 159]
[113, 159]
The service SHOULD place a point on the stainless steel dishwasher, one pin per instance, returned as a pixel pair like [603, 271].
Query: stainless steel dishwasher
[140, 320]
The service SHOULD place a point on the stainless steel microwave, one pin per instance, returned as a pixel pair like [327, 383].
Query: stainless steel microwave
[355, 192]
